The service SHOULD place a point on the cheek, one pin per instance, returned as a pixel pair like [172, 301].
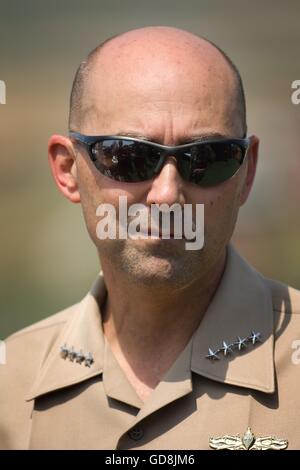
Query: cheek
[221, 209]
[95, 189]
[91, 194]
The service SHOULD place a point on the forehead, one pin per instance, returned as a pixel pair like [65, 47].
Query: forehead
[159, 65]
[177, 85]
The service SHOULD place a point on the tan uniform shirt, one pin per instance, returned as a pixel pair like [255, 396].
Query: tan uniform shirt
[48, 402]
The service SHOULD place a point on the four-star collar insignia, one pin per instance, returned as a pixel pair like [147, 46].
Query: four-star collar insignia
[73, 356]
[247, 442]
[240, 344]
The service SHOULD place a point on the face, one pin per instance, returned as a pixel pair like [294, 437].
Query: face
[170, 99]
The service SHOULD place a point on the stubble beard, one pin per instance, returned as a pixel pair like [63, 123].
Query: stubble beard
[162, 264]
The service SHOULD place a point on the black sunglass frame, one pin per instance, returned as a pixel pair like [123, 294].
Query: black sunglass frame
[165, 151]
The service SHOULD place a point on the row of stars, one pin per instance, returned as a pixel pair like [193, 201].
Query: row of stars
[240, 344]
[79, 357]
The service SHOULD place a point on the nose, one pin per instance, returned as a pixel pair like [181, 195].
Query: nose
[168, 186]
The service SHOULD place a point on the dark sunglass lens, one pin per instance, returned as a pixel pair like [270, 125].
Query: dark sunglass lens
[213, 163]
[125, 160]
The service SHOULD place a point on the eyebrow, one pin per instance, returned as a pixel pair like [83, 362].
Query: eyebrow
[198, 138]
[208, 136]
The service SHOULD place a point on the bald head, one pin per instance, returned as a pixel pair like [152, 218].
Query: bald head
[157, 57]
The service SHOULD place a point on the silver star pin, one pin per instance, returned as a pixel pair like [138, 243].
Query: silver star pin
[241, 343]
[75, 356]
[64, 351]
[72, 354]
[226, 348]
[80, 357]
[255, 337]
[212, 355]
[88, 360]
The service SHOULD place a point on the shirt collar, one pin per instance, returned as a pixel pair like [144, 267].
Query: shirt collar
[83, 332]
[241, 303]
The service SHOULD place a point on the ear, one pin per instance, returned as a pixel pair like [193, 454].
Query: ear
[252, 156]
[62, 160]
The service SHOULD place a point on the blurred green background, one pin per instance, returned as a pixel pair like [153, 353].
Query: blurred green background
[47, 259]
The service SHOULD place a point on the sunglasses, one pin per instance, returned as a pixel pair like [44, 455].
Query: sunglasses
[132, 160]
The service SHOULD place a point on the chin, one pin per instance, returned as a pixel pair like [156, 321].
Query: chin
[159, 266]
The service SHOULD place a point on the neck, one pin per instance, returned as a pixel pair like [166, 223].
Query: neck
[148, 328]
[153, 308]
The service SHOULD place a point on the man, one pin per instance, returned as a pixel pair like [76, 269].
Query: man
[172, 348]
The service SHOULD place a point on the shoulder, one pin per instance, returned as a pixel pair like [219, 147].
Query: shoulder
[40, 335]
[45, 326]
[27, 349]
[25, 353]
[285, 299]
[286, 312]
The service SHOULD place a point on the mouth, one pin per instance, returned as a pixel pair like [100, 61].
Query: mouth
[161, 235]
